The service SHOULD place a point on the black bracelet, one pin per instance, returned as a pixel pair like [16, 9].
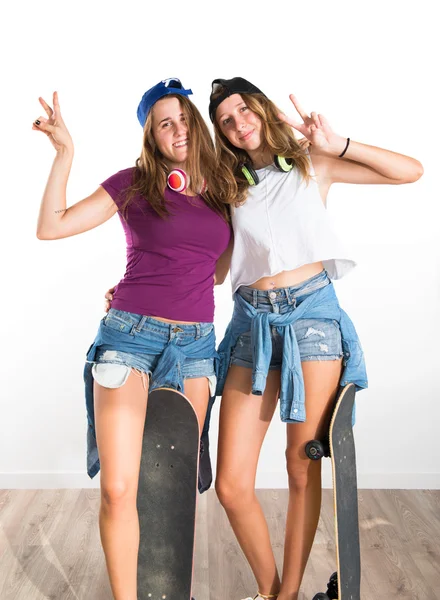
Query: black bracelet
[345, 149]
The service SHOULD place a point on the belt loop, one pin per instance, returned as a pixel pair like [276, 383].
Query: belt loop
[254, 298]
[137, 328]
[197, 331]
[141, 323]
[289, 298]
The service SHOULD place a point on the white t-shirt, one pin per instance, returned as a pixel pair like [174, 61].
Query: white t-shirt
[282, 226]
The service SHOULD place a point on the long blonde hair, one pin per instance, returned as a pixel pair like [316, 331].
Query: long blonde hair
[277, 136]
[150, 174]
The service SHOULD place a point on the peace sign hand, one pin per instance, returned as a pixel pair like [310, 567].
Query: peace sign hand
[54, 126]
[316, 129]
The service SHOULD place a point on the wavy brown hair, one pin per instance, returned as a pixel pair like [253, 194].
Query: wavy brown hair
[277, 136]
[150, 174]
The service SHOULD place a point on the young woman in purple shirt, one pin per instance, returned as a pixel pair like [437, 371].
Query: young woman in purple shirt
[159, 330]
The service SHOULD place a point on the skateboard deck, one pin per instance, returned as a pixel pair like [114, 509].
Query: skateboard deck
[345, 583]
[166, 499]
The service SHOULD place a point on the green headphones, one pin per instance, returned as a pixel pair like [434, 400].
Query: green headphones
[283, 164]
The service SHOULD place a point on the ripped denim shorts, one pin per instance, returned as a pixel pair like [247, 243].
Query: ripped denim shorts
[318, 339]
[164, 353]
[111, 366]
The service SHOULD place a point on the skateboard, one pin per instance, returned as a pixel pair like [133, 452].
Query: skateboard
[166, 499]
[344, 584]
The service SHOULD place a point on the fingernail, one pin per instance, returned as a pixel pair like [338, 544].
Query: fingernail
[37, 122]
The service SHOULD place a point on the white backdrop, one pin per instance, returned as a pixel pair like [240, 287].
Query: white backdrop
[369, 68]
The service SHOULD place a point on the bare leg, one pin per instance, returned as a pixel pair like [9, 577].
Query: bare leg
[321, 380]
[244, 420]
[197, 392]
[120, 418]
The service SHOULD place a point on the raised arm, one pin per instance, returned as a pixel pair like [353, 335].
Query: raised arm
[360, 163]
[365, 164]
[55, 220]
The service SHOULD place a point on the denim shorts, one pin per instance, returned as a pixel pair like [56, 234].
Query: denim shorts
[112, 367]
[318, 339]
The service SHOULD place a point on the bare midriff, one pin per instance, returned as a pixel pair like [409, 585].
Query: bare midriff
[280, 280]
[288, 278]
[176, 322]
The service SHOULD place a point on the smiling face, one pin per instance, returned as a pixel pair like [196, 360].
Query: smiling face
[170, 131]
[239, 124]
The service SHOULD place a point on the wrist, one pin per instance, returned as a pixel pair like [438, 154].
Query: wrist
[338, 146]
[347, 143]
[65, 154]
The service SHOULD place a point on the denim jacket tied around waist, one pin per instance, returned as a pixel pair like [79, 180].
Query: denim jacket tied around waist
[166, 374]
[322, 304]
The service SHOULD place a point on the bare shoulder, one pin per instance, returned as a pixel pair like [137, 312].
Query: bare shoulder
[321, 169]
[321, 165]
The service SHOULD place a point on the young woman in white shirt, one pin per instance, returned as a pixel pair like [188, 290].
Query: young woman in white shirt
[285, 254]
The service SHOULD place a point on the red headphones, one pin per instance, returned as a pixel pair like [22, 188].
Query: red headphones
[178, 181]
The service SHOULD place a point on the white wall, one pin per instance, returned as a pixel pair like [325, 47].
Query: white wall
[368, 67]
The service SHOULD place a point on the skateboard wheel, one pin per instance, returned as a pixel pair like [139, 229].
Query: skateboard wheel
[315, 450]
[320, 596]
[332, 587]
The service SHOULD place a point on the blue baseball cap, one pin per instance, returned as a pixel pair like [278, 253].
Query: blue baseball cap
[158, 91]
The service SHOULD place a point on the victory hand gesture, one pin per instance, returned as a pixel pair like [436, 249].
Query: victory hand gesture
[54, 126]
[316, 129]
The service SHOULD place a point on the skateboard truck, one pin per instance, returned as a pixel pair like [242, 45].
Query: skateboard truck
[317, 449]
[332, 590]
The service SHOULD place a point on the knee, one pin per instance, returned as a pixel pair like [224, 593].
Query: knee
[233, 494]
[300, 469]
[117, 496]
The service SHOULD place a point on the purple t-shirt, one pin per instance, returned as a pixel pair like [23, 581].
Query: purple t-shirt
[170, 262]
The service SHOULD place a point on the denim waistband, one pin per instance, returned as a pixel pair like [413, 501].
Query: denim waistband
[289, 294]
[138, 323]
